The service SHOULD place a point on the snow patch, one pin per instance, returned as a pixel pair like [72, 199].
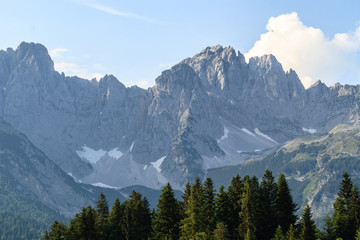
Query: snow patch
[300, 179]
[239, 151]
[145, 167]
[248, 132]
[309, 130]
[75, 179]
[132, 145]
[100, 184]
[158, 163]
[257, 131]
[90, 154]
[115, 153]
[125, 195]
[226, 135]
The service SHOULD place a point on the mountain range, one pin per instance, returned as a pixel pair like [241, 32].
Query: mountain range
[207, 112]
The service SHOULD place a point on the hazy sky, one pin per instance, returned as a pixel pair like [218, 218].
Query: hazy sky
[136, 40]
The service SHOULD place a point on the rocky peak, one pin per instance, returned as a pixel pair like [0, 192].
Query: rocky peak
[181, 76]
[267, 75]
[318, 83]
[317, 91]
[265, 63]
[34, 55]
[110, 81]
[214, 65]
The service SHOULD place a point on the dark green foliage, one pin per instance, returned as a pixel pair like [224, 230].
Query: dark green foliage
[58, 231]
[102, 215]
[221, 232]
[267, 210]
[167, 221]
[22, 217]
[357, 236]
[209, 205]
[343, 222]
[247, 226]
[136, 218]
[279, 235]
[222, 209]
[87, 223]
[291, 235]
[249, 235]
[307, 225]
[185, 196]
[83, 225]
[285, 206]
[257, 204]
[194, 221]
[115, 220]
[235, 191]
[354, 208]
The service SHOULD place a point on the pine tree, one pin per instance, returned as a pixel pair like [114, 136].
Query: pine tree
[235, 191]
[166, 224]
[84, 225]
[73, 232]
[102, 213]
[354, 208]
[284, 204]
[345, 190]
[307, 225]
[194, 220]
[357, 236]
[267, 210]
[136, 220]
[209, 205]
[115, 218]
[145, 217]
[57, 231]
[279, 235]
[221, 232]
[290, 235]
[185, 197]
[248, 209]
[222, 206]
[340, 224]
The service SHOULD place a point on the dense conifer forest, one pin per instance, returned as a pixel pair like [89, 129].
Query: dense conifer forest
[248, 209]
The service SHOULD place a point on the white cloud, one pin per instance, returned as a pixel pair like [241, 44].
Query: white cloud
[72, 69]
[308, 51]
[63, 64]
[57, 52]
[143, 84]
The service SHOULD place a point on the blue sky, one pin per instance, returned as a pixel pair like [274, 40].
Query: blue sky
[136, 40]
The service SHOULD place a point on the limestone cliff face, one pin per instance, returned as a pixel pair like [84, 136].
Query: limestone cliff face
[211, 110]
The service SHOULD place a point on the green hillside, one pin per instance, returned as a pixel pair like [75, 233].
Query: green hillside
[313, 166]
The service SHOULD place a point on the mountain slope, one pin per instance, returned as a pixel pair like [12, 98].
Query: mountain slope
[31, 176]
[313, 166]
[211, 110]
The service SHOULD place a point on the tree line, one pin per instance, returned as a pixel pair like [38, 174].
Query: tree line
[248, 209]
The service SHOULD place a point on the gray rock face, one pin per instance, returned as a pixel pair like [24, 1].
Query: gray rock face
[211, 110]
